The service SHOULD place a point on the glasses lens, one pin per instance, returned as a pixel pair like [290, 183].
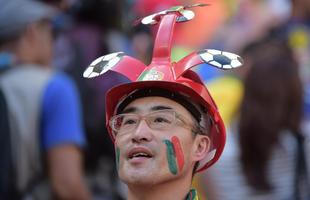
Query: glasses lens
[161, 120]
[124, 122]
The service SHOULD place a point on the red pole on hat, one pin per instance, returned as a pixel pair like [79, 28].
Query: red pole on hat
[163, 41]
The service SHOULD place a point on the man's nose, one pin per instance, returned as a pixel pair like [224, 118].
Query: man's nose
[143, 132]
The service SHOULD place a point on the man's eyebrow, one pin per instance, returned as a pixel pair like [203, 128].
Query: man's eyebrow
[155, 108]
[129, 110]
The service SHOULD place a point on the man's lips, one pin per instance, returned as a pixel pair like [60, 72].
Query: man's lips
[139, 152]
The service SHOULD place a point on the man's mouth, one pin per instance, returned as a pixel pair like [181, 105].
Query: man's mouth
[139, 153]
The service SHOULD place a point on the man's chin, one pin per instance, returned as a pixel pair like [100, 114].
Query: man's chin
[142, 183]
[143, 179]
[137, 178]
[146, 179]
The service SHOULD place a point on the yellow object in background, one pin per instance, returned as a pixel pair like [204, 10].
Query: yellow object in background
[299, 38]
[227, 92]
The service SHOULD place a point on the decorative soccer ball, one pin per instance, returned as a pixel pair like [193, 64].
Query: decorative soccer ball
[103, 64]
[184, 14]
[221, 59]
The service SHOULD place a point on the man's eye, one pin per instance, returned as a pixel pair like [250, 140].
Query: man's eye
[161, 120]
[129, 121]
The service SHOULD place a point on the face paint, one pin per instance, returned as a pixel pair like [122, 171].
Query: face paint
[192, 195]
[171, 157]
[117, 152]
[178, 152]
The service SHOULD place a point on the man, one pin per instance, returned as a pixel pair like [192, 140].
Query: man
[43, 108]
[164, 124]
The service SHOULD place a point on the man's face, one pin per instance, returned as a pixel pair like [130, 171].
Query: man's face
[160, 153]
[42, 43]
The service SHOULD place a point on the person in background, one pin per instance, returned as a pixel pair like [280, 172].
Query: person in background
[84, 31]
[265, 155]
[43, 106]
[296, 32]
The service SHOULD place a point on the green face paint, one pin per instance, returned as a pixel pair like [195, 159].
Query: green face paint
[117, 152]
[192, 195]
[171, 157]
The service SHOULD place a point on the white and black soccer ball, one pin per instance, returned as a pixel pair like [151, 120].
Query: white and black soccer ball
[220, 59]
[103, 64]
[185, 15]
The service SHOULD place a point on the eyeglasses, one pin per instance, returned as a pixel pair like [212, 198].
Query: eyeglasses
[158, 120]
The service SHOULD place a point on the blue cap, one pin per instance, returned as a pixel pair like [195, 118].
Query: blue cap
[15, 15]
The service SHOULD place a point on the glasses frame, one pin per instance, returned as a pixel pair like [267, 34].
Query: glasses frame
[194, 127]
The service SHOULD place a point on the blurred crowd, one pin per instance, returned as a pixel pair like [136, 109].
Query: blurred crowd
[53, 140]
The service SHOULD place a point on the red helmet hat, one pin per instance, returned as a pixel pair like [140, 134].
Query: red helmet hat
[173, 80]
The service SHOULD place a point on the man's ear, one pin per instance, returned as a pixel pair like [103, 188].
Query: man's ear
[201, 147]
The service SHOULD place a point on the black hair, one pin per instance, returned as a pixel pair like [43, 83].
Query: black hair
[272, 103]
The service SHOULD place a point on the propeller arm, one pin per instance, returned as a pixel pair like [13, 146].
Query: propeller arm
[215, 58]
[118, 62]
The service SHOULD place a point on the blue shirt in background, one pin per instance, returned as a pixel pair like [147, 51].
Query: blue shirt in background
[61, 114]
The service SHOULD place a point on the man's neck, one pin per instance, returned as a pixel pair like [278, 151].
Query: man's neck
[165, 191]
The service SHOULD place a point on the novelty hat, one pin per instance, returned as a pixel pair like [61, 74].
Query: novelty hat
[176, 77]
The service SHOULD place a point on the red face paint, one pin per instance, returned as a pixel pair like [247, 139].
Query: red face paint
[178, 151]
